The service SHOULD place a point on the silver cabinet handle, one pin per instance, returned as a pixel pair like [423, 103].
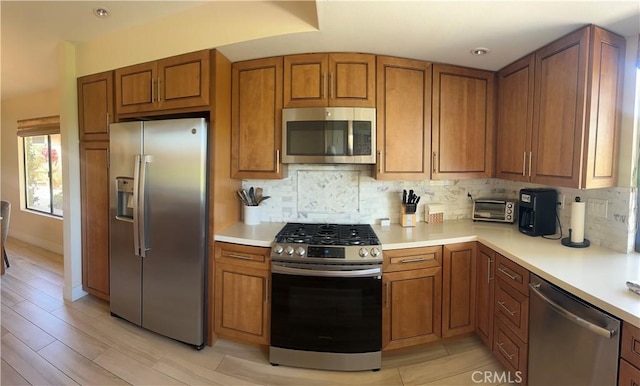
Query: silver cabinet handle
[524, 163]
[277, 161]
[323, 91]
[240, 256]
[416, 260]
[499, 344]
[510, 276]
[159, 91]
[435, 158]
[535, 288]
[512, 313]
[489, 262]
[380, 161]
[331, 96]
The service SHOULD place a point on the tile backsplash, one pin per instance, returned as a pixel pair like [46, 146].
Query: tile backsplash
[349, 194]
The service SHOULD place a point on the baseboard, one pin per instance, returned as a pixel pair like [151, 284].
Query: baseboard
[28, 238]
[76, 293]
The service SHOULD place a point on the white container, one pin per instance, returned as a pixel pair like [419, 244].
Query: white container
[251, 214]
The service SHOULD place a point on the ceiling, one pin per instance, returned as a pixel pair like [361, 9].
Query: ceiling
[440, 31]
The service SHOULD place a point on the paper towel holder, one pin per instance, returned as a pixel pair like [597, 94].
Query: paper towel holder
[566, 241]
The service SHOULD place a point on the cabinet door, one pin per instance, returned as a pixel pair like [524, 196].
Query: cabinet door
[515, 120]
[94, 187]
[485, 284]
[411, 307]
[95, 106]
[305, 83]
[352, 80]
[256, 119]
[136, 88]
[458, 289]
[463, 123]
[183, 81]
[628, 374]
[241, 301]
[403, 122]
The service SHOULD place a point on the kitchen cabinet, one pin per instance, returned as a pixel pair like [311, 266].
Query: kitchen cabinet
[458, 289]
[176, 84]
[462, 122]
[485, 288]
[241, 292]
[337, 79]
[256, 119]
[629, 372]
[95, 106]
[403, 123]
[412, 284]
[515, 120]
[94, 190]
[569, 136]
[511, 315]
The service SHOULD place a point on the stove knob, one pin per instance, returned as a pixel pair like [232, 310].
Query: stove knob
[300, 251]
[375, 252]
[278, 249]
[363, 252]
[289, 250]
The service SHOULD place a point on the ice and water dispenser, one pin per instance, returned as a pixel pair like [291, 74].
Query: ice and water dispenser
[124, 191]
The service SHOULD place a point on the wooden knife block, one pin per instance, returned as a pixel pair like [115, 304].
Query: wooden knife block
[407, 219]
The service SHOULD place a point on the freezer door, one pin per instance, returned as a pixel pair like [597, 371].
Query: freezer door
[175, 154]
[125, 274]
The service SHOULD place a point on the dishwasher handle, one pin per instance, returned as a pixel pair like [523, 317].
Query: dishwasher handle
[604, 332]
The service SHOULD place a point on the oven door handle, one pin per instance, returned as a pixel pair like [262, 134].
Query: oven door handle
[370, 272]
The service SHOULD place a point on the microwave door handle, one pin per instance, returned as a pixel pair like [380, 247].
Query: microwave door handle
[350, 137]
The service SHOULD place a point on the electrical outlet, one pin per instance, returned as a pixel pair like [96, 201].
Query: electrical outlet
[561, 200]
[597, 207]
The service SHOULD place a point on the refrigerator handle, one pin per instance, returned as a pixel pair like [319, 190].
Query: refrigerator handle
[136, 214]
[142, 226]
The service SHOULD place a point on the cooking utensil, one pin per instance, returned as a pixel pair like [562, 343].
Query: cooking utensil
[258, 195]
[242, 199]
[252, 197]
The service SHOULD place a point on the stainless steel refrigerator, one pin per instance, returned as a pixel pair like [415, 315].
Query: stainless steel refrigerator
[158, 222]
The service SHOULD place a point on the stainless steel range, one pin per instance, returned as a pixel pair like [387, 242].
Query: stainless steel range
[326, 297]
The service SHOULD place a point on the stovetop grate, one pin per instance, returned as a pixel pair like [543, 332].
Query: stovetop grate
[327, 234]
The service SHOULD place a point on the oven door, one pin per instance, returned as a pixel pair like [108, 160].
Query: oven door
[335, 311]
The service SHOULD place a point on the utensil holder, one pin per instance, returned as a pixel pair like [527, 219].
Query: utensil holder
[408, 215]
[251, 214]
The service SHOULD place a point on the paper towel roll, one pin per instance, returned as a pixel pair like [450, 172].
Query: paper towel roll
[577, 222]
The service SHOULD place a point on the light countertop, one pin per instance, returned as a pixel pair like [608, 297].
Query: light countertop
[595, 274]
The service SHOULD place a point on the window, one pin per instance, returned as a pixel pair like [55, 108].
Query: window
[41, 183]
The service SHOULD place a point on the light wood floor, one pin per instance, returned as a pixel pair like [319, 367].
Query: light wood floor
[47, 341]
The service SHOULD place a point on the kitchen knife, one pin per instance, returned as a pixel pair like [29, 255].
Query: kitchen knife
[404, 196]
[410, 196]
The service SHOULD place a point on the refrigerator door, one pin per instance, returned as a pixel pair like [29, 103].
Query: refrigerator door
[125, 274]
[174, 229]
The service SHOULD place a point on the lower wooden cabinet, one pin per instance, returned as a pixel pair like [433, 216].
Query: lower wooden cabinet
[458, 289]
[94, 189]
[242, 292]
[485, 288]
[628, 375]
[510, 350]
[629, 372]
[411, 307]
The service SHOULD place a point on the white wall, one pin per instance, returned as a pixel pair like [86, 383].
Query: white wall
[43, 231]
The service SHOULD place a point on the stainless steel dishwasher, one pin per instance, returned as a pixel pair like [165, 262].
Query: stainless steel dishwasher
[570, 341]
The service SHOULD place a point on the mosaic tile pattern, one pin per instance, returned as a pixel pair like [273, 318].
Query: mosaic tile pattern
[349, 194]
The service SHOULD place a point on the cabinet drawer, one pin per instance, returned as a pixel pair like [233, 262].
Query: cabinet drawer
[511, 351]
[513, 274]
[630, 348]
[242, 255]
[412, 258]
[628, 374]
[512, 308]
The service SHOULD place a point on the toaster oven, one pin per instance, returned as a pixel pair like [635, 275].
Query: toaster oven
[494, 210]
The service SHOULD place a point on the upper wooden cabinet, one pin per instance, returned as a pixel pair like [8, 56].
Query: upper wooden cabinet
[559, 112]
[95, 106]
[403, 123]
[312, 80]
[256, 119]
[463, 122]
[176, 83]
[515, 120]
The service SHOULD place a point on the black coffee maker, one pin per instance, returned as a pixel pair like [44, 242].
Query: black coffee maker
[537, 211]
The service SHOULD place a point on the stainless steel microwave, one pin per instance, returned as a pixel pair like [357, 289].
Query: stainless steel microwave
[494, 210]
[332, 135]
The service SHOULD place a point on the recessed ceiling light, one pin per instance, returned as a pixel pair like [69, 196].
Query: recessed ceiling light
[479, 51]
[101, 12]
